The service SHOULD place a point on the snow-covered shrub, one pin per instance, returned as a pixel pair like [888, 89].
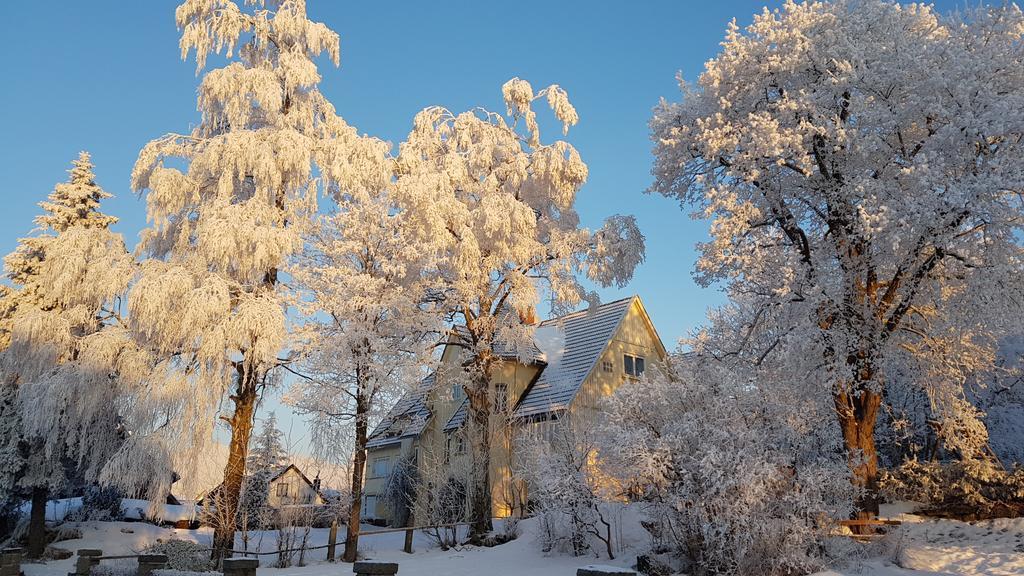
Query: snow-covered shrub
[575, 500]
[971, 488]
[184, 555]
[101, 503]
[735, 479]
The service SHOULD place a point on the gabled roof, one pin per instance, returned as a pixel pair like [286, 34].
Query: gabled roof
[406, 418]
[586, 334]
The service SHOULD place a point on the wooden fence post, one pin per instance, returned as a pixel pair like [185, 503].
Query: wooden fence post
[240, 566]
[150, 562]
[408, 541]
[87, 558]
[10, 562]
[332, 540]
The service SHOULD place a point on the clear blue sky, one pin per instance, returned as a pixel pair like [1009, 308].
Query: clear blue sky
[106, 76]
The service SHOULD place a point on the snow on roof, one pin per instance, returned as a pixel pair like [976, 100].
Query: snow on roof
[583, 336]
[406, 418]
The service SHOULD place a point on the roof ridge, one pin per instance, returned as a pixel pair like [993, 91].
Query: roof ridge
[584, 311]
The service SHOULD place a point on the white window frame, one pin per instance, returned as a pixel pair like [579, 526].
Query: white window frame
[383, 460]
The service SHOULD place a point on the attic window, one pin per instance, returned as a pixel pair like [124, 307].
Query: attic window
[607, 366]
[633, 365]
[500, 398]
[282, 490]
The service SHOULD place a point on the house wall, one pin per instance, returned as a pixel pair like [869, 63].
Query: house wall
[376, 478]
[635, 336]
[291, 489]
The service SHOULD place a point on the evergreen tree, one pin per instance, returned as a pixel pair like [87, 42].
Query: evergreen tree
[266, 451]
[56, 405]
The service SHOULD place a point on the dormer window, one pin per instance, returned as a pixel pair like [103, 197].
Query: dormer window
[633, 365]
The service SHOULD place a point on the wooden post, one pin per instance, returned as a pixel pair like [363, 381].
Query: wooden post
[87, 558]
[240, 566]
[408, 541]
[10, 562]
[150, 562]
[332, 540]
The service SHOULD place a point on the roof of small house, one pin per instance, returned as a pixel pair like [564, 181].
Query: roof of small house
[586, 334]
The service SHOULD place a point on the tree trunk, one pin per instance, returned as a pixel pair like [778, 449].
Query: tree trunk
[241, 423]
[37, 522]
[480, 442]
[857, 415]
[358, 466]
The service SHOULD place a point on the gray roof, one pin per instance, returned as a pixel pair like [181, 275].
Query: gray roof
[504, 350]
[587, 334]
[406, 418]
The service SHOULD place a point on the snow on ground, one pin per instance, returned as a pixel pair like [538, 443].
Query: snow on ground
[519, 557]
[921, 547]
[926, 547]
[57, 510]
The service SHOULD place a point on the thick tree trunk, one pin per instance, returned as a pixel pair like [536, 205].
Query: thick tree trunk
[858, 413]
[358, 467]
[480, 442]
[37, 522]
[241, 423]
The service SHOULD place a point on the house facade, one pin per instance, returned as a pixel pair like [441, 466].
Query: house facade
[287, 486]
[580, 359]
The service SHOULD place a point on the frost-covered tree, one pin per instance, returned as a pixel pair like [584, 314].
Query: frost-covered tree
[267, 451]
[497, 205]
[859, 164]
[63, 399]
[366, 284]
[224, 202]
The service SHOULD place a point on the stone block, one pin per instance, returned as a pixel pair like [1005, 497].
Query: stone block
[601, 570]
[370, 568]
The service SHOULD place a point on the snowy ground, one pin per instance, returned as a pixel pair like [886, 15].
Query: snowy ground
[921, 547]
[517, 557]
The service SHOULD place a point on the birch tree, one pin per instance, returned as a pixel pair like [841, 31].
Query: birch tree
[859, 164]
[366, 284]
[223, 202]
[63, 401]
[498, 206]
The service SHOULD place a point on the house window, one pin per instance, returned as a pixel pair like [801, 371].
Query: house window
[458, 394]
[381, 467]
[633, 365]
[282, 490]
[370, 507]
[500, 398]
[607, 366]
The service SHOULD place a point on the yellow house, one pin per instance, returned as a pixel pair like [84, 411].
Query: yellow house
[580, 358]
